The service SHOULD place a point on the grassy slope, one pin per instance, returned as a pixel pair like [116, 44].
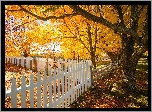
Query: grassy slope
[106, 93]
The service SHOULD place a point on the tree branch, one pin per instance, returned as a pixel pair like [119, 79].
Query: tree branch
[95, 38]
[119, 11]
[141, 10]
[14, 10]
[69, 28]
[103, 21]
[75, 36]
[145, 33]
[49, 17]
[134, 17]
[126, 9]
[89, 16]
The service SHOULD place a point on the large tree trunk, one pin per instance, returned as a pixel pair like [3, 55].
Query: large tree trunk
[129, 69]
[115, 57]
[129, 60]
[93, 60]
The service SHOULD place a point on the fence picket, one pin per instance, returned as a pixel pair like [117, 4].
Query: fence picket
[13, 93]
[62, 88]
[59, 87]
[38, 91]
[72, 87]
[89, 76]
[54, 87]
[69, 90]
[45, 91]
[80, 78]
[65, 89]
[76, 80]
[23, 92]
[50, 89]
[86, 76]
[83, 76]
[31, 91]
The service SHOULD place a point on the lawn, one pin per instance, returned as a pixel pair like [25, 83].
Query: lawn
[106, 92]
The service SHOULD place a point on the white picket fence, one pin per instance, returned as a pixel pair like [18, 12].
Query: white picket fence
[41, 62]
[78, 80]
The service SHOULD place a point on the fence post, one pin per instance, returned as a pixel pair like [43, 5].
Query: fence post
[11, 60]
[30, 64]
[91, 75]
[14, 61]
[24, 62]
[19, 62]
[46, 67]
[35, 63]
[6, 59]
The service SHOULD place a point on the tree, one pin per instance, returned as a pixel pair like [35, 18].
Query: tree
[132, 27]
[90, 35]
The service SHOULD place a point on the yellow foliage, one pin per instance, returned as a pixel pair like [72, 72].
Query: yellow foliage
[76, 26]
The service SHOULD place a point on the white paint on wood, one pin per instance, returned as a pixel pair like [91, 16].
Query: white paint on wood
[45, 91]
[62, 88]
[31, 91]
[69, 91]
[38, 91]
[23, 92]
[50, 89]
[13, 93]
[54, 88]
[77, 72]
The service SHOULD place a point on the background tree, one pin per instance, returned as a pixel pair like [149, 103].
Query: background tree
[90, 35]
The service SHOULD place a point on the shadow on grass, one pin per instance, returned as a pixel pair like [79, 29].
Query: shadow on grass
[105, 95]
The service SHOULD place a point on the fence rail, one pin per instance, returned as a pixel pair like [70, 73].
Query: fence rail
[41, 63]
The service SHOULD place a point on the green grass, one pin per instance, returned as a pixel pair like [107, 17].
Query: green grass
[142, 65]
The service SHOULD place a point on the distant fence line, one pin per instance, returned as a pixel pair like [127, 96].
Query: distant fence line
[41, 63]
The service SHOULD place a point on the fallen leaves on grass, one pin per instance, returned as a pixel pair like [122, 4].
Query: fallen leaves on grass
[103, 95]
[98, 96]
